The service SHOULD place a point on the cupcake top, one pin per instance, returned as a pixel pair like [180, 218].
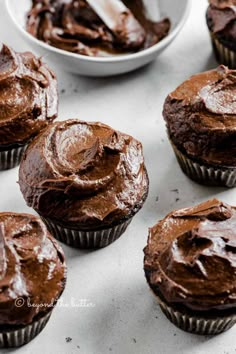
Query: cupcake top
[84, 175]
[201, 116]
[190, 258]
[28, 96]
[32, 269]
[221, 16]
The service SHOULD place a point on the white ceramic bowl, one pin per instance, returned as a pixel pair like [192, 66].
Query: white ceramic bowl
[177, 11]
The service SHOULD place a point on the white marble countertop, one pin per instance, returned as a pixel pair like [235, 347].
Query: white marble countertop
[124, 317]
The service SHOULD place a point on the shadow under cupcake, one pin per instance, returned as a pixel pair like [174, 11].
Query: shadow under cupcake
[85, 180]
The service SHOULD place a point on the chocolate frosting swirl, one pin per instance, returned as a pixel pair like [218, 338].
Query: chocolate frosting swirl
[201, 116]
[221, 16]
[73, 26]
[32, 269]
[190, 259]
[28, 96]
[84, 175]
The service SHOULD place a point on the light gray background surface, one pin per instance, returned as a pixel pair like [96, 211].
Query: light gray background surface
[125, 317]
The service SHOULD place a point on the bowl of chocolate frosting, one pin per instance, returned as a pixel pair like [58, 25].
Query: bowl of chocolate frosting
[99, 38]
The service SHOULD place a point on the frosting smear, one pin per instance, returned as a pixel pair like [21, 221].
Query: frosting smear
[75, 27]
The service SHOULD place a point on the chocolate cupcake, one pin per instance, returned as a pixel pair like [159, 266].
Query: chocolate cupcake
[190, 265]
[221, 22]
[200, 117]
[85, 180]
[28, 102]
[33, 274]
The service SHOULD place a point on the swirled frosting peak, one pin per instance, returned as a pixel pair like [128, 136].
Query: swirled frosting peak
[84, 174]
[28, 96]
[32, 269]
[190, 258]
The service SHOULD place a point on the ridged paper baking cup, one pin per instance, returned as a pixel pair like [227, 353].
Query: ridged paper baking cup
[86, 239]
[223, 54]
[11, 158]
[20, 336]
[206, 174]
[198, 324]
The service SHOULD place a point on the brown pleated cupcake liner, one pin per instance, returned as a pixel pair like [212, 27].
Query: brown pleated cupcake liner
[197, 324]
[206, 174]
[23, 335]
[223, 54]
[11, 158]
[86, 239]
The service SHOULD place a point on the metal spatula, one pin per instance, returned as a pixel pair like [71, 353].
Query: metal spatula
[152, 10]
[121, 22]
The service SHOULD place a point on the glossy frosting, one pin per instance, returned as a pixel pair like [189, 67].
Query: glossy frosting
[28, 96]
[84, 175]
[201, 116]
[190, 258]
[221, 16]
[32, 268]
[73, 26]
